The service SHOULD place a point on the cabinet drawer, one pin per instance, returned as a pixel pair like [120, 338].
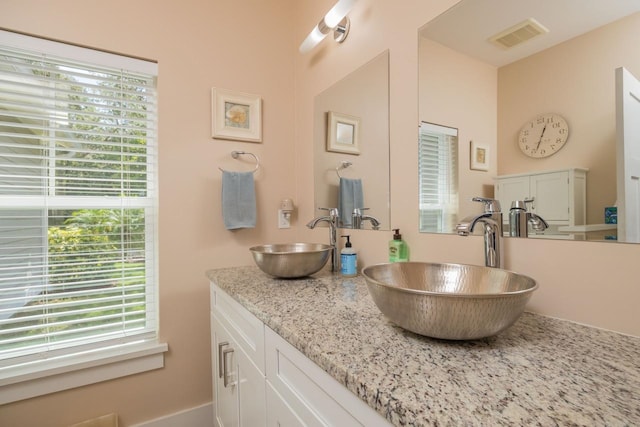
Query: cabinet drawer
[312, 395]
[247, 330]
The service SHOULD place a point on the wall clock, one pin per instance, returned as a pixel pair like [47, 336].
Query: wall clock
[543, 136]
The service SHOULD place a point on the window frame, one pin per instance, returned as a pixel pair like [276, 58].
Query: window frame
[87, 366]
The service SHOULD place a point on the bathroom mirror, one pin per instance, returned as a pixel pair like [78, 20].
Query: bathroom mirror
[488, 92]
[351, 141]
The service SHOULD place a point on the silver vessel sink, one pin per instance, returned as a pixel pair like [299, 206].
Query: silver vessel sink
[291, 260]
[449, 301]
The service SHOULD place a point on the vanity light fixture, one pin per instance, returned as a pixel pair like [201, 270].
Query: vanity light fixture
[336, 19]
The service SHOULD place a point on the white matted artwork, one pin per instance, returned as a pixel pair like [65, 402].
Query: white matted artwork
[479, 156]
[236, 115]
[342, 133]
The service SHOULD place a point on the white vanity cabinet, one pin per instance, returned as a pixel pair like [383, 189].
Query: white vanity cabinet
[559, 195]
[269, 382]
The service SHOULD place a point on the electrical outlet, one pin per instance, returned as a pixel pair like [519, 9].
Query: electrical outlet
[284, 219]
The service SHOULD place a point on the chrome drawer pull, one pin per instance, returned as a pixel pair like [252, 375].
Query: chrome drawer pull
[224, 363]
[220, 345]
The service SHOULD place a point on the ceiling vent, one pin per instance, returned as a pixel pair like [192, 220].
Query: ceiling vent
[520, 33]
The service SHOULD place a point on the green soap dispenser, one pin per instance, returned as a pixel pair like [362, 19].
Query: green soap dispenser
[398, 249]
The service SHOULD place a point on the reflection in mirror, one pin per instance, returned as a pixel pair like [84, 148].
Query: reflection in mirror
[351, 147]
[438, 172]
[491, 94]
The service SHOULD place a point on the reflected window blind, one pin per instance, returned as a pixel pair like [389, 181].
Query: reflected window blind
[438, 172]
[78, 258]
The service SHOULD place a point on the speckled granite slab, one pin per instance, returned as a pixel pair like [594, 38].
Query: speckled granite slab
[541, 371]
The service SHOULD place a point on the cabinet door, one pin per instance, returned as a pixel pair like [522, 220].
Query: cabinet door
[509, 190]
[551, 196]
[241, 402]
[226, 398]
[279, 414]
[250, 382]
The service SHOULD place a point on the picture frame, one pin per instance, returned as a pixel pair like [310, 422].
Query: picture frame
[343, 133]
[479, 156]
[236, 116]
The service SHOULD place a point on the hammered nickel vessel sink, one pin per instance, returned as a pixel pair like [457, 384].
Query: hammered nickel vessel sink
[449, 301]
[291, 260]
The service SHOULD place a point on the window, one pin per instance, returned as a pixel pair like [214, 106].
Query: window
[438, 172]
[78, 201]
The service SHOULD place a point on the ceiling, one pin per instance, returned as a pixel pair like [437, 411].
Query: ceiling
[482, 19]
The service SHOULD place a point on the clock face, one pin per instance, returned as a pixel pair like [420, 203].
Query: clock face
[543, 136]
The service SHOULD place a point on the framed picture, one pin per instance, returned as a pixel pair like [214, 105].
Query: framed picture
[342, 133]
[236, 115]
[479, 156]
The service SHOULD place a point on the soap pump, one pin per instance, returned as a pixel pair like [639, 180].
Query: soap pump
[398, 248]
[348, 259]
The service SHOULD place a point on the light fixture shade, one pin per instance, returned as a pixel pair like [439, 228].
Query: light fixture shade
[330, 21]
[314, 37]
[338, 12]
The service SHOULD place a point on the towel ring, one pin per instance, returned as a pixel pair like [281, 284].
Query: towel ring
[236, 154]
[343, 165]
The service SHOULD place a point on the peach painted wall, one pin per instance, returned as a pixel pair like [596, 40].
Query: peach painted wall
[577, 80]
[246, 46]
[251, 46]
[458, 91]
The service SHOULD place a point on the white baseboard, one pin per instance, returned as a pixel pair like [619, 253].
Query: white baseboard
[200, 416]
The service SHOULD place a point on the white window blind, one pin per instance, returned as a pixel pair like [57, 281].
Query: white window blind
[438, 172]
[78, 196]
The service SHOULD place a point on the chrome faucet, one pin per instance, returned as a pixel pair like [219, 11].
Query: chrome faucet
[332, 219]
[491, 219]
[357, 217]
[520, 218]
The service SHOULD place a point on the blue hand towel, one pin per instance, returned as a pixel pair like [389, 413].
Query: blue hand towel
[350, 196]
[238, 200]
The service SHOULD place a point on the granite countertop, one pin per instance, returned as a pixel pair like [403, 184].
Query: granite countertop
[541, 371]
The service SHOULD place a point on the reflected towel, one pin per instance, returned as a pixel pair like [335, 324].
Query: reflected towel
[238, 200]
[350, 197]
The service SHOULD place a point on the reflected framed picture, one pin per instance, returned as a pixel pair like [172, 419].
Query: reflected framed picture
[342, 133]
[236, 115]
[479, 156]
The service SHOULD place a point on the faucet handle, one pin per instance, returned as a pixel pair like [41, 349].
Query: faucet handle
[490, 205]
[332, 211]
[531, 200]
[522, 204]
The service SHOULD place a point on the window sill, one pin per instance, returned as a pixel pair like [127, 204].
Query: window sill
[44, 377]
